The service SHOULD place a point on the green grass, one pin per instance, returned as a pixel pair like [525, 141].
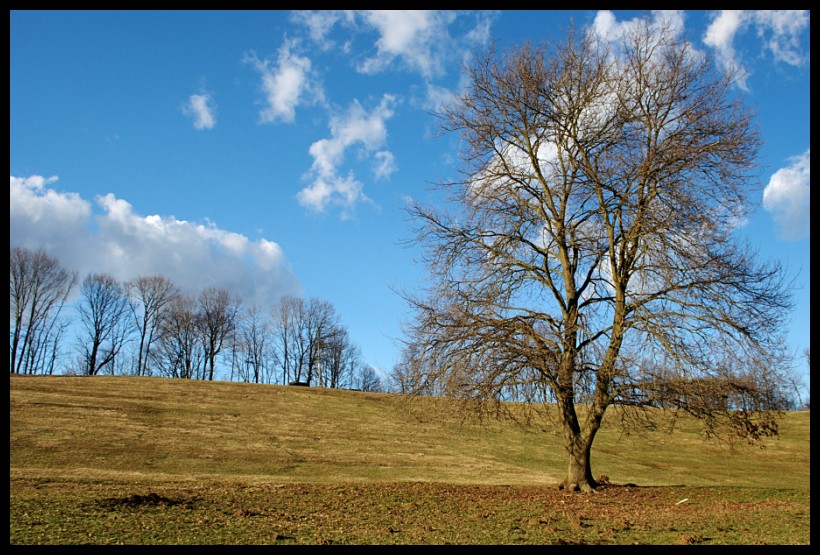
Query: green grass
[159, 461]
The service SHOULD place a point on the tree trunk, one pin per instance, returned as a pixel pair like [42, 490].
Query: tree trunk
[578, 444]
[579, 470]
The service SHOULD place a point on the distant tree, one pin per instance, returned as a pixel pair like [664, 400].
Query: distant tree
[287, 336]
[301, 329]
[38, 290]
[103, 311]
[595, 227]
[408, 377]
[252, 346]
[218, 312]
[340, 357]
[368, 379]
[181, 352]
[319, 326]
[149, 296]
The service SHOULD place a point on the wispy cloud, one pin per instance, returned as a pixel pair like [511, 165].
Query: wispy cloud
[607, 27]
[787, 196]
[384, 164]
[426, 42]
[320, 23]
[199, 107]
[417, 38]
[127, 245]
[353, 128]
[287, 83]
[779, 30]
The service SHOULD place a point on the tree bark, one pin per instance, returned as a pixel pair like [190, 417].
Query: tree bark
[579, 469]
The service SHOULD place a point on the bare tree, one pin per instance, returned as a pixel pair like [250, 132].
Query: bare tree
[181, 353]
[103, 311]
[367, 379]
[218, 319]
[595, 228]
[340, 358]
[38, 291]
[399, 379]
[319, 326]
[286, 315]
[414, 373]
[252, 346]
[302, 328]
[150, 296]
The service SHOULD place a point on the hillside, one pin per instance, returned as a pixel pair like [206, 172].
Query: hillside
[149, 429]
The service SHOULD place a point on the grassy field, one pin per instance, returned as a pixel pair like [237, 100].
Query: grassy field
[107, 460]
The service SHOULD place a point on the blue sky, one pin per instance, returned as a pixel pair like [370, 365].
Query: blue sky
[273, 152]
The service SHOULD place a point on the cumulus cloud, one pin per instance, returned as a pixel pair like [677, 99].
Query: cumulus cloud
[353, 128]
[40, 216]
[787, 195]
[423, 42]
[118, 241]
[320, 23]
[606, 26]
[779, 30]
[418, 41]
[199, 107]
[416, 37]
[287, 83]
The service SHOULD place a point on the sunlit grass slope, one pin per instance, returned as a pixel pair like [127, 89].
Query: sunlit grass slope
[159, 429]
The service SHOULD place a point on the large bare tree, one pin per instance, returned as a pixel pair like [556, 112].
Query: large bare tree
[38, 290]
[592, 257]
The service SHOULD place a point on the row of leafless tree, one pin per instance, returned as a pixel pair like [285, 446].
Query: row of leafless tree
[146, 326]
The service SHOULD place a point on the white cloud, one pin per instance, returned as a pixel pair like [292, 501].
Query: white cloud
[40, 216]
[383, 164]
[418, 40]
[787, 197]
[720, 36]
[606, 26]
[438, 97]
[783, 28]
[426, 42]
[127, 245]
[780, 30]
[345, 192]
[355, 127]
[321, 22]
[286, 84]
[416, 37]
[199, 107]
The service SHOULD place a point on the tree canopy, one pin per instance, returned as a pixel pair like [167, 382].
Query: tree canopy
[589, 254]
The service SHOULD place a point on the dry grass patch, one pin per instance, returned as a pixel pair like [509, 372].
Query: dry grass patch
[159, 461]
